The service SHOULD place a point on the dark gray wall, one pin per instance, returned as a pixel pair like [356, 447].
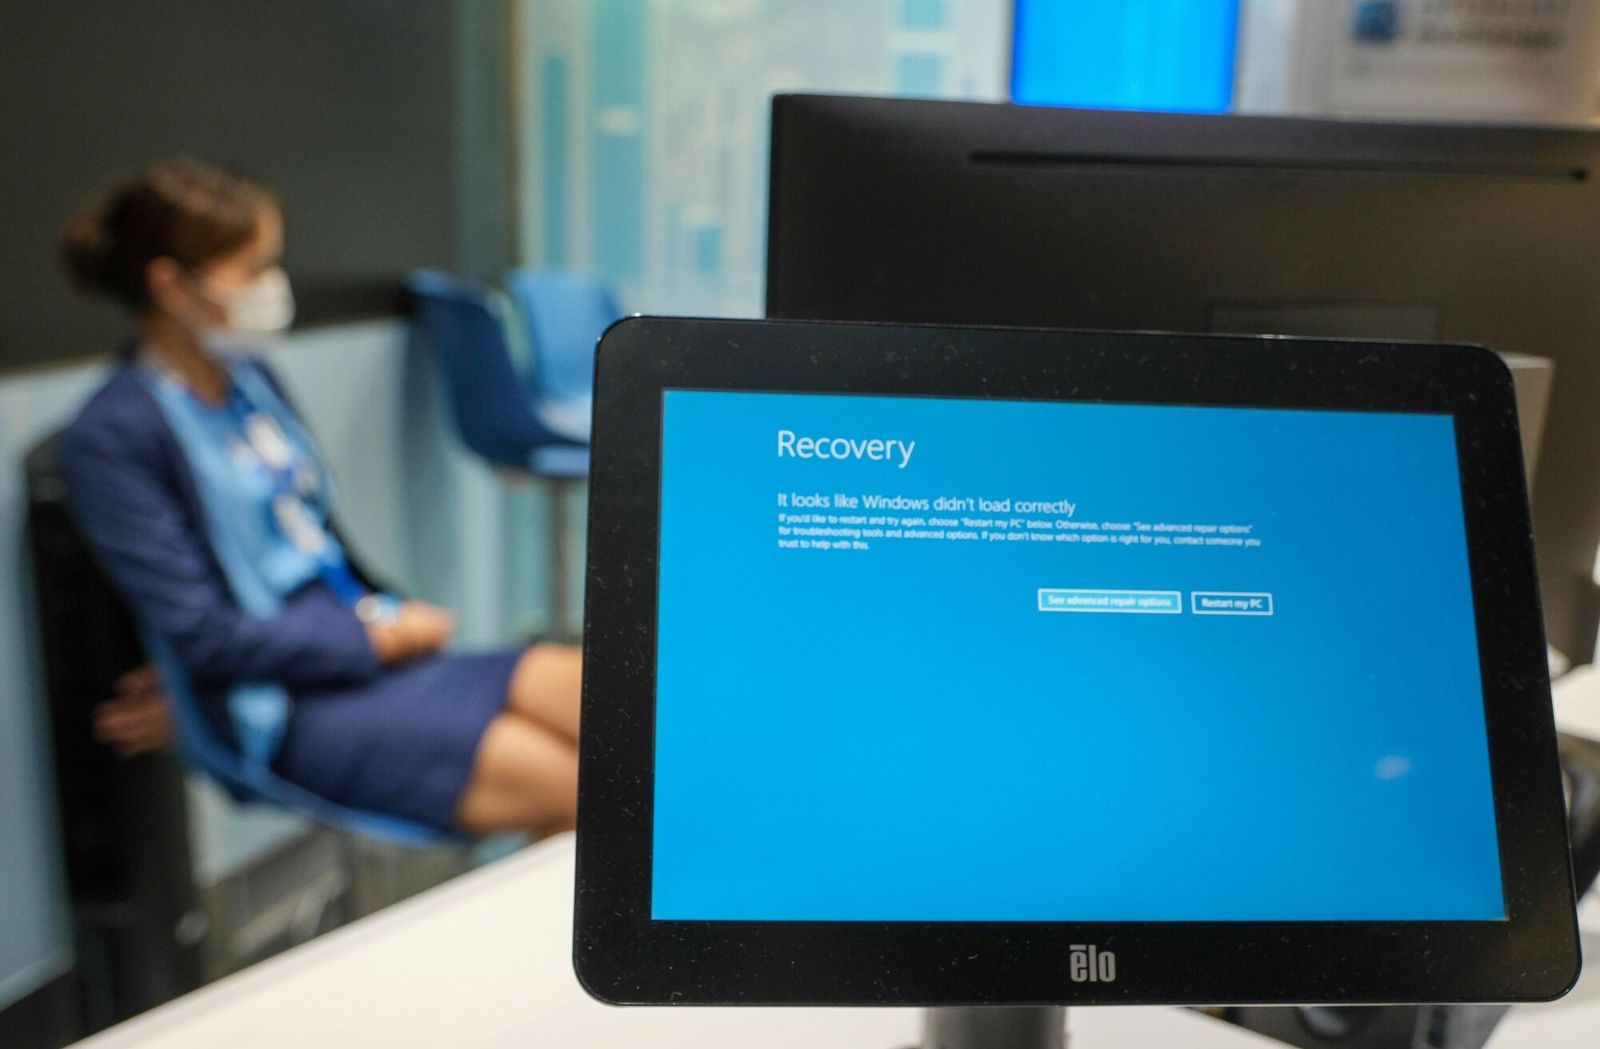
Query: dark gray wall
[381, 123]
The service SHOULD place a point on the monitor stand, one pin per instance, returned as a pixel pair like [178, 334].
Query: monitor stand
[995, 1027]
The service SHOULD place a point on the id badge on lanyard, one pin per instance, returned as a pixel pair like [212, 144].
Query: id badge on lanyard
[295, 485]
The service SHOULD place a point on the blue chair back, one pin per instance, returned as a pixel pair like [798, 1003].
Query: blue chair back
[565, 315]
[487, 397]
[202, 749]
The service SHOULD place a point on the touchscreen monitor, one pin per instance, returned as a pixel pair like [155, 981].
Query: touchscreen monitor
[1104, 657]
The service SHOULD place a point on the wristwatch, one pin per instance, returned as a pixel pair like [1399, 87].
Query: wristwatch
[377, 610]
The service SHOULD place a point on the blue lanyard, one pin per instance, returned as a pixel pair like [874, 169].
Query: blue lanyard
[332, 565]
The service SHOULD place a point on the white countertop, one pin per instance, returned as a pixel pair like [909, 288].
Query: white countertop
[484, 961]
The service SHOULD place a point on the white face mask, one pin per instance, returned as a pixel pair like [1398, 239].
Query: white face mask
[258, 315]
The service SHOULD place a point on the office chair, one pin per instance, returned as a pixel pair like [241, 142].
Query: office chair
[564, 315]
[517, 424]
[123, 821]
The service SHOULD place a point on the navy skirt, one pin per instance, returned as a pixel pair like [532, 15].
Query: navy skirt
[402, 744]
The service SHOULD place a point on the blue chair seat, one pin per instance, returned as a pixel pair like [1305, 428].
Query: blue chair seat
[567, 418]
[559, 463]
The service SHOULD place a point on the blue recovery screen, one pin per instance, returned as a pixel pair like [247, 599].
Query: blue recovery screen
[973, 660]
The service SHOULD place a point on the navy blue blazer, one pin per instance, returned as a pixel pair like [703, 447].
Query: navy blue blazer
[134, 497]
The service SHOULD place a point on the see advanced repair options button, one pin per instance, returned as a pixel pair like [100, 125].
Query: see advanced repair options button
[1225, 603]
[1148, 602]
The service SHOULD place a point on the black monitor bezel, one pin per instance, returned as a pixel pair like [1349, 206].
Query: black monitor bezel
[623, 956]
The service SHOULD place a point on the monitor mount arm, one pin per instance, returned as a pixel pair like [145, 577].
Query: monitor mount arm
[995, 1027]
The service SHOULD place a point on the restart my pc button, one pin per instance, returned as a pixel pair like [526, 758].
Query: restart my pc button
[1224, 603]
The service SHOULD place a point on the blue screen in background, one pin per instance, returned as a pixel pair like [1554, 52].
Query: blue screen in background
[974, 660]
[1132, 54]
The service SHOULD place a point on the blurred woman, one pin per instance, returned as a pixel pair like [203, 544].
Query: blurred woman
[209, 505]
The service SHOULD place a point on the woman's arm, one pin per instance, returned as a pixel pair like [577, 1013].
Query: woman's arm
[125, 500]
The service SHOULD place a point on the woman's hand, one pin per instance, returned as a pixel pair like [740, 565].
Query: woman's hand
[137, 720]
[419, 629]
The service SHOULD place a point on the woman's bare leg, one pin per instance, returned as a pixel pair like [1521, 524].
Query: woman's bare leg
[546, 687]
[525, 777]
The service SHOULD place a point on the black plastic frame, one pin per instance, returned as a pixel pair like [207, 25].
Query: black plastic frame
[623, 956]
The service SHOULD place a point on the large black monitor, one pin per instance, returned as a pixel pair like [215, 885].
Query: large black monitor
[939, 212]
[888, 699]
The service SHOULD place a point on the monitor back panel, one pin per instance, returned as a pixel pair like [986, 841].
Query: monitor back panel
[933, 212]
